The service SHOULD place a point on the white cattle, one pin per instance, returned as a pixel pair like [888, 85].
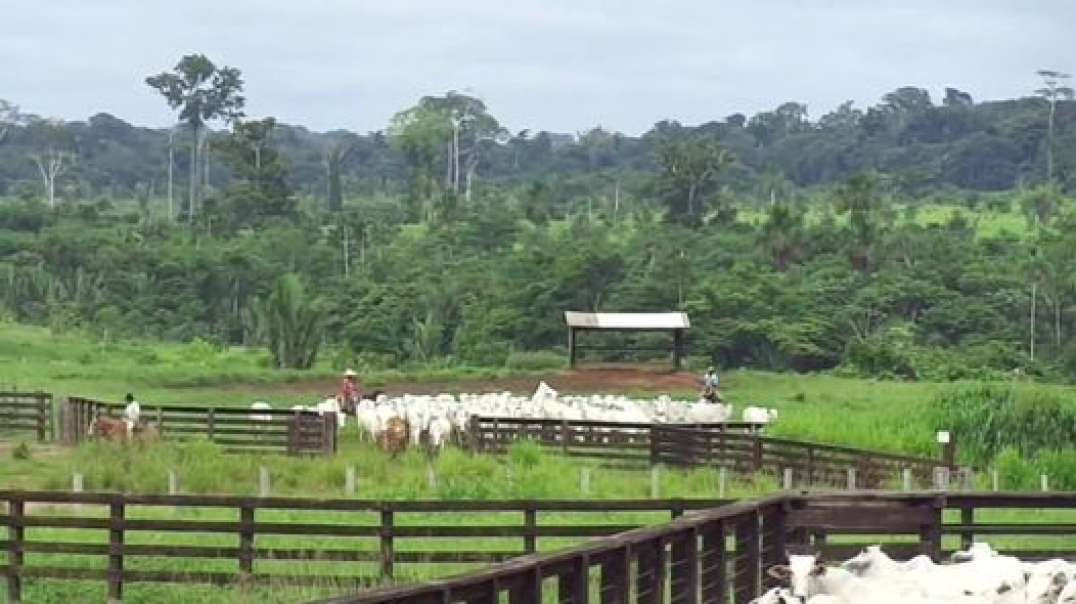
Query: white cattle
[759, 415]
[331, 405]
[260, 406]
[704, 412]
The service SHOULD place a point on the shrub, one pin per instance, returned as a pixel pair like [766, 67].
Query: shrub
[21, 452]
[538, 360]
[988, 420]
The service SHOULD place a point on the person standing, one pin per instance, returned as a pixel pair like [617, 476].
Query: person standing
[350, 392]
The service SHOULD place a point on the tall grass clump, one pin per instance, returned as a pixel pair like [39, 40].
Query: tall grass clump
[538, 360]
[989, 419]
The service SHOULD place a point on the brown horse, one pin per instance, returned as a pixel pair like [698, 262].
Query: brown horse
[394, 437]
[110, 429]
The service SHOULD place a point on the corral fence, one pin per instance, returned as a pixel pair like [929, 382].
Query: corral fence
[235, 429]
[614, 443]
[808, 463]
[282, 541]
[26, 412]
[720, 556]
[738, 446]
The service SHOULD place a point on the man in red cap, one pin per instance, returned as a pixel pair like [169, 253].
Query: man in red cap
[350, 392]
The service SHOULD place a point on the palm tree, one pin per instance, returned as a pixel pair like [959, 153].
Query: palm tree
[291, 323]
[859, 198]
[782, 236]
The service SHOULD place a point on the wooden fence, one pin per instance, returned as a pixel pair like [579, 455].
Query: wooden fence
[335, 542]
[236, 429]
[26, 412]
[615, 443]
[739, 446]
[720, 556]
[809, 463]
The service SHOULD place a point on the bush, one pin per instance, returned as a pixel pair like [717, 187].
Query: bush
[539, 360]
[21, 452]
[988, 420]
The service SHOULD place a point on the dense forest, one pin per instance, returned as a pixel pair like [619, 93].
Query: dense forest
[794, 244]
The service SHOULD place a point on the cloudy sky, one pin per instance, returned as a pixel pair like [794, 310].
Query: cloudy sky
[561, 65]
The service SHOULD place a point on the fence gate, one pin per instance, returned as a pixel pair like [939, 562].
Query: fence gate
[26, 412]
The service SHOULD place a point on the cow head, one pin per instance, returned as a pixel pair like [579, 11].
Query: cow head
[799, 571]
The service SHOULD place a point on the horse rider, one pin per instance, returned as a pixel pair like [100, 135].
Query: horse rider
[709, 385]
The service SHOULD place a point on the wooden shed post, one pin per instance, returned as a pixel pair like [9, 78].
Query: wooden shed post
[571, 348]
[678, 348]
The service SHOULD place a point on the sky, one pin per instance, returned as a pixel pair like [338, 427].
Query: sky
[558, 65]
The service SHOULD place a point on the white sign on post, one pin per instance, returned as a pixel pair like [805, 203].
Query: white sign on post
[943, 437]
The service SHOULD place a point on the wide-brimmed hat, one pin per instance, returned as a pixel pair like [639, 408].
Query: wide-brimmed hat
[350, 373]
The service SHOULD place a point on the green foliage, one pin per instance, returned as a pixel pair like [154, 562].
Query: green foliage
[21, 452]
[538, 360]
[989, 419]
[292, 324]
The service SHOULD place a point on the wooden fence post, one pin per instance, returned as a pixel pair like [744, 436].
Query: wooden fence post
[967, 516]
[930, 534]
[173, 482]
[906, 475]
[787, 483]
[160, 421]
[246, 542]
[210, 424]
[772, 552]
[650, 574]
[573, 586]
[349, 481]
[747, 559]
[474, 434]
[386, 543]
[756, 453]
[42, 416]
[684, 569]
[530, 522]
[115, 552]
[15, 536]
[851, 479]
[615, 578]
[714, 572]
[264, 486]
[722, 479]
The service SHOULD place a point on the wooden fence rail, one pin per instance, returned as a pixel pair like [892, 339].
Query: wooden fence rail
[236, 429]
[26, 412]
[346, 542]
[739, 446]
[720, 555]
[810, 463]
[617, 443]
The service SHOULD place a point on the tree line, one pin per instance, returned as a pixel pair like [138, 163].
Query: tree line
[447, 239]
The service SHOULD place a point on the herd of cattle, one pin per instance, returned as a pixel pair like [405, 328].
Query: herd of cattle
[979, 575]
[435, 419]
[396, 422]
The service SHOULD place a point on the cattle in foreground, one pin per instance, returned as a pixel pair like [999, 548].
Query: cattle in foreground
[979, 575]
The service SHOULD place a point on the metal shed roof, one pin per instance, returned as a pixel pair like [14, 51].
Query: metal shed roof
[627, 320]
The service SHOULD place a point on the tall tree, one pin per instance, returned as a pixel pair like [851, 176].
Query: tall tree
[1053, 91]
[53, 155]
[456, 123]
[689, 169]
[9, 117]
[203, 93]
